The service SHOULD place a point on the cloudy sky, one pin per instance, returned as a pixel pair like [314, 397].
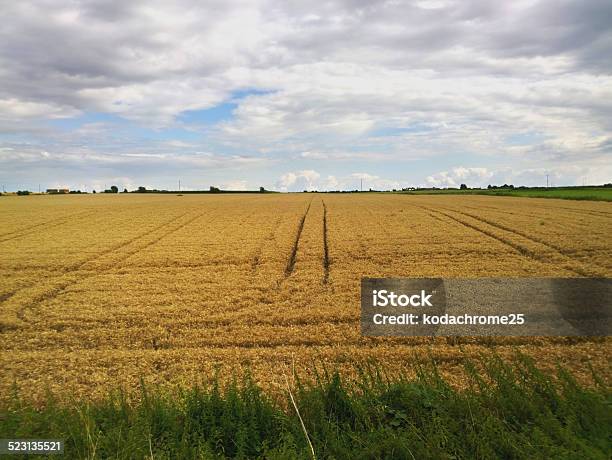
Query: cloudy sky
[297, 95]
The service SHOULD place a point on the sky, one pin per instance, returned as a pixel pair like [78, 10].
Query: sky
[304, 95]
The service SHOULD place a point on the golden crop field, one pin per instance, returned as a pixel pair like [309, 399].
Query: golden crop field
[98, 291]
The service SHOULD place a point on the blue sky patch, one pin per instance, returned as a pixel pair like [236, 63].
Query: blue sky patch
[527, 138]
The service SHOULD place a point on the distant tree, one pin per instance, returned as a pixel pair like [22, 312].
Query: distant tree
[114, 189]
[214, 189]
[463, 187]
[93, 191]
[125, 190]
[23, 192]
[142, 189]
[489, 186]
[261, 189]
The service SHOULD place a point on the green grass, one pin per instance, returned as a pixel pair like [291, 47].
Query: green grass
[565, 193]
[507, 411]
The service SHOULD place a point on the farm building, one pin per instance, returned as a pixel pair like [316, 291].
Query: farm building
[55, 191]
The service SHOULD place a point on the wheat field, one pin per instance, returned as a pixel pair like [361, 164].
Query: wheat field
[99, 291]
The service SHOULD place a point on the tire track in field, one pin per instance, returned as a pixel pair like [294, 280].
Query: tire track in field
[525, 252]
[238, 318]
[293, 254]
[560, 250]
[119, 246]
[159, 238]
[582, 212]
[537, 216]
[79, 264]
[326, 260]
[433, 216]
[500, 211]
[577, 224]
[589, 212]
[61, 287]
[49, 224]
[7, 295]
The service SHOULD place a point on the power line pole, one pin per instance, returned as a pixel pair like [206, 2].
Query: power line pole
[361, 181]
[179, 185]
[546, 180]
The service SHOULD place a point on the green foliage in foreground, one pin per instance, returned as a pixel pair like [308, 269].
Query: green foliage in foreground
[564, 193]
[508, 411]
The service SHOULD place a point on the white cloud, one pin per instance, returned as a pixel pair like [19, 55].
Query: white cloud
[332, 183]
[106, 183]
[526, 82]
[13, 108]
[572, 174]
[298, 181]
[313, 181]
[235, 185]
[314, 155]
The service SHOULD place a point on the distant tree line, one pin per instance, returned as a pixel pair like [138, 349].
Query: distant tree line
[211, 189]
